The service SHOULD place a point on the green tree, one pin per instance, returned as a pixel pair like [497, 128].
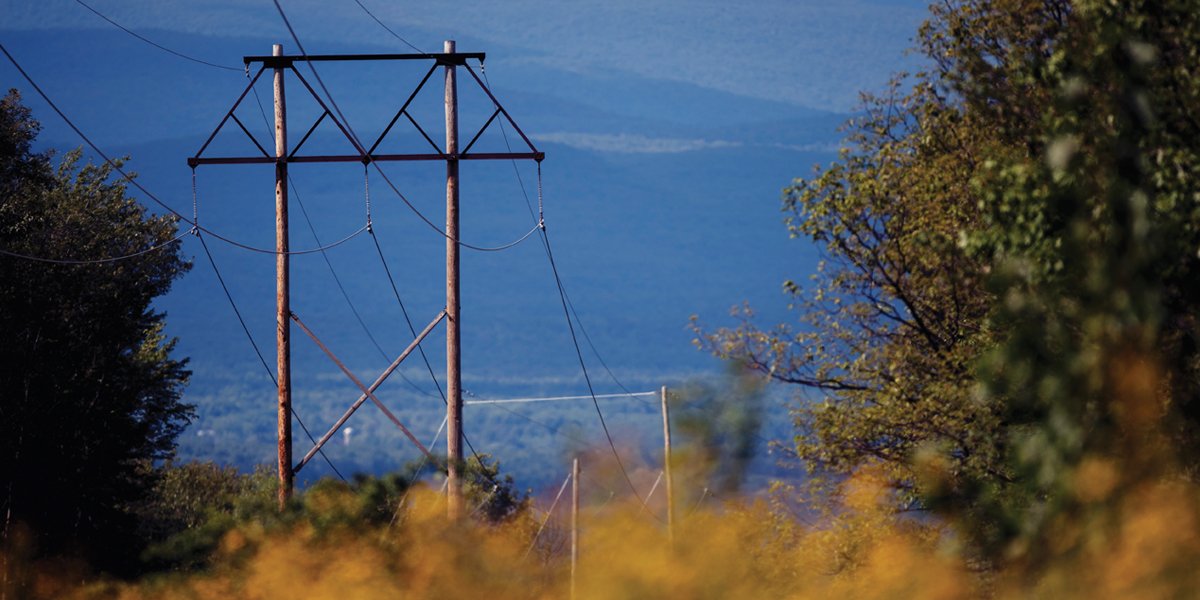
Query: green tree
[892, 323]
[716, 431]
[193, 505]
[1097, 274]
[1010, 283]
[89, 392]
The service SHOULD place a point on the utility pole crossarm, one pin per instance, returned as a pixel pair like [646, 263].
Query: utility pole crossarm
[364, 155]
[370, 158]
[441, 58]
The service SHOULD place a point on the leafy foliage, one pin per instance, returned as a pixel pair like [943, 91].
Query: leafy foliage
[193, 505]
[1003, 331]
[196, 505]
[716, 431]
[1009, 285]
[1094, 243]
[892, 322]
[89, 392]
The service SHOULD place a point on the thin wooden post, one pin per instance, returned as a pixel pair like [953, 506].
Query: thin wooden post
[666, 414]
[453, 351]
[574, 524]
[283, 329]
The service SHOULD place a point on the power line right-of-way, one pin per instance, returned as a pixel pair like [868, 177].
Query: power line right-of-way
[539, 227]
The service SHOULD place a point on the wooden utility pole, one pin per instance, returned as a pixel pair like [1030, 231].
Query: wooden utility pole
[283, 321]
[667, 466]
[574, 524]
[453, 351]
[450, 60]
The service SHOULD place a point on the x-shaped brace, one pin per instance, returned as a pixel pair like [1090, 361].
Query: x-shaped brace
[367, 392]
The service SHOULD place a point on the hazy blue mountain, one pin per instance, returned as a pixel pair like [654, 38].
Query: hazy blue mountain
[661, 189]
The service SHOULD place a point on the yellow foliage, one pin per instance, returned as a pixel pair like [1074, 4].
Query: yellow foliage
[1095, 479]
[1147, 546]
[1142, 540]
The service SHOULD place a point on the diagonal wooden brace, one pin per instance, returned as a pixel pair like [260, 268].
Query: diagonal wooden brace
[366, 392]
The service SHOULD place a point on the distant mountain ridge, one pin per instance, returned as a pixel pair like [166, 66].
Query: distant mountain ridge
[661, 200]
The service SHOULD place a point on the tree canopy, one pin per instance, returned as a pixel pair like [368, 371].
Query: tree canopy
[1010, 261]
[90, 394]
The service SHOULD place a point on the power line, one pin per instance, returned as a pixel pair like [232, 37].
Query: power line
[230, 241]
[495, 488]
[561, 398]
[549, 514]
[545, 237]
[596, 352]
[71, 261]
[389, 29]
[524, 192]
[155, 44]
[299, 46]
[258, 352]
[236, 312]
[404, 311]
[587, 378]
[321, 249]
[556, 431]
[195, 226]
[416, 474]
[550, 428]
[135, 183]
[442, 232]
[425, 457]
[703, 496]
[358, 146]
[337, 280]
[649, 495]
[562, 289]
[420, 349]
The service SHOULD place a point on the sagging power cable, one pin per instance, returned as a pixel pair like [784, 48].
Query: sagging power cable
[153, 43]
[137, 184]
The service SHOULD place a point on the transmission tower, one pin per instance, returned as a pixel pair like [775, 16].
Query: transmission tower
[280, 65]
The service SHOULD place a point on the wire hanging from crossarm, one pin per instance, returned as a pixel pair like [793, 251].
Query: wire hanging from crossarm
[138, 185]
[153, 43]
[257, 352]
[95, 261]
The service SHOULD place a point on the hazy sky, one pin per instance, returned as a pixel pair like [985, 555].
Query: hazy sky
[817, 53]
[720, 93]
[670, 128]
